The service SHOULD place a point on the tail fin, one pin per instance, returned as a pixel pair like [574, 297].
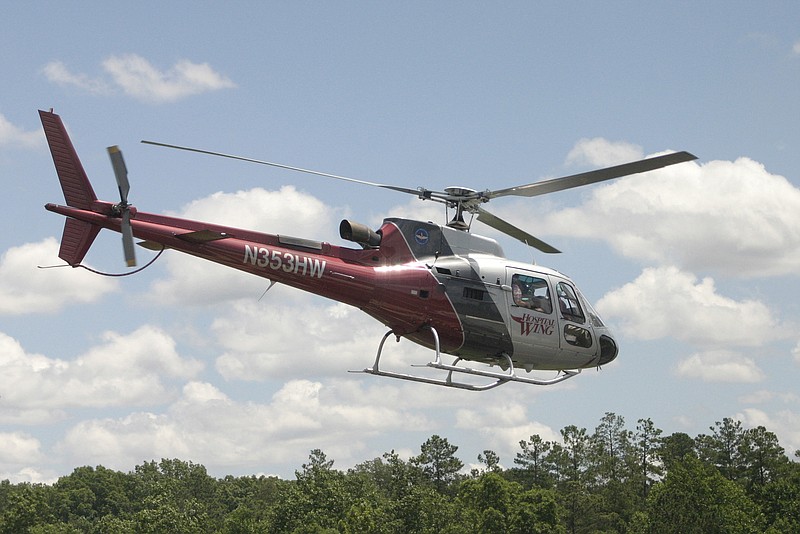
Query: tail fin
[78, 235]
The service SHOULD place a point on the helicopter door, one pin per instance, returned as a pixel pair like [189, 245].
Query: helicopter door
[576, 335]
[532, 319]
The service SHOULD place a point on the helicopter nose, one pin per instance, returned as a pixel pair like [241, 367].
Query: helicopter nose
[608, 349]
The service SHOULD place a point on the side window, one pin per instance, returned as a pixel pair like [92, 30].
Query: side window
[531, 292]
[568, 303]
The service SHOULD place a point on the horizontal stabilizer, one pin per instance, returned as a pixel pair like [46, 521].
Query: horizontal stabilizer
[78, 237]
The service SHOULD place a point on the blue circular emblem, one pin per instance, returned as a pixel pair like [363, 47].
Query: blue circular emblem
[421, 236]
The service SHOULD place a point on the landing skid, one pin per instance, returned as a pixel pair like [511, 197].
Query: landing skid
[499, 378]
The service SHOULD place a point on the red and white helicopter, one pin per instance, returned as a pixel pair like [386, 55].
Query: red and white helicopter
[442, 287]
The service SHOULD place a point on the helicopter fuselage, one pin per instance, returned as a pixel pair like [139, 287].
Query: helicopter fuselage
[420, 276]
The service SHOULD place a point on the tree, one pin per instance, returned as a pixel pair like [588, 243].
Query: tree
[491, 460]
[646, 451]
[318, 497]
[675, 447]
[762, 457]
[570, 462]
[611, 447]
[92, 493]
[780, 500]
[489, 500]
[533, 460]
[25, 506]
[695, 498]
[611, 471]
[438, 462]
[723, 447]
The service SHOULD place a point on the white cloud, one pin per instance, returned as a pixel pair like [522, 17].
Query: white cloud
[19, 448]
[667, 302]
[502, 426]
[12, 135]
[720, 366]
[58, 73]
[18, 452]
[796, 352]
[733, 217]
[207, 426]
[599, 152]
[24, 288]
[276, 338]
[763, 396]
[138, 78]
[796, 48]
[123, 371]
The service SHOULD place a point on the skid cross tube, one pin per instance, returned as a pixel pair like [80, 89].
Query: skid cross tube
[499, 378]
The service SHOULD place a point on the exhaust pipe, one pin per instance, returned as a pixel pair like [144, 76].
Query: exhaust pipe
[359, 233]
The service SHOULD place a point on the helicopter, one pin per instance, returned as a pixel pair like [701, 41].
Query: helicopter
[438, 285]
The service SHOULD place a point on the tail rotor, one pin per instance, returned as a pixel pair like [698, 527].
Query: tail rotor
[123, 208]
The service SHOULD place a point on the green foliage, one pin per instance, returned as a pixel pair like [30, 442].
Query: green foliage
[696, 497]
[611, 480]
[438, 462]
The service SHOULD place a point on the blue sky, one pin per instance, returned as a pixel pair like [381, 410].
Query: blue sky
[696, 267]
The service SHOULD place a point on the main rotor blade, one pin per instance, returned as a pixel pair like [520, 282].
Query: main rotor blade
[509, 229]
[120, 172]
[591, 177]
[417, 192]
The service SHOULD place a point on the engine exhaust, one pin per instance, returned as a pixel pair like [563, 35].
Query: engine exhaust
[359, 233]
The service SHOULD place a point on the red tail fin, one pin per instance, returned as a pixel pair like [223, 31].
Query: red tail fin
[78, 235]
[78, 191]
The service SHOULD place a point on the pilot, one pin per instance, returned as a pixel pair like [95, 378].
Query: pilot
[516, 292]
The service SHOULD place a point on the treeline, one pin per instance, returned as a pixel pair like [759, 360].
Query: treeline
[613, 479]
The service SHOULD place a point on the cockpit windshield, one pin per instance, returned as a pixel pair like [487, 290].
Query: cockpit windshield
[593, 315]
[568, 303]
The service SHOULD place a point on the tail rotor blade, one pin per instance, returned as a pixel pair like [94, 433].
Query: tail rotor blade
[127, 239]
[120, 172]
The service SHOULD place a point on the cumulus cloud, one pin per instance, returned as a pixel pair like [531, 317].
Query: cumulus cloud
[14, 136]
[720, 366]
[138, 78]
[24, 288]
[206, 425]
[796, 352]
[18, 452]
[125, 370]
[600, 152]
[503, 425]
[667, 302]
[58, 73]
[733, 217]
[763, 396]
[796, 48]
[276, 339]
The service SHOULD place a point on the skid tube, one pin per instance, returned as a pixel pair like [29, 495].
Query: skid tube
[499, 378]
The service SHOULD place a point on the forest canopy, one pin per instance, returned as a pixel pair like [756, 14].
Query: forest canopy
[611, 479]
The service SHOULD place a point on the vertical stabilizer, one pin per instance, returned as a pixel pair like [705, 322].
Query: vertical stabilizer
[78, 191]
[78, 235]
